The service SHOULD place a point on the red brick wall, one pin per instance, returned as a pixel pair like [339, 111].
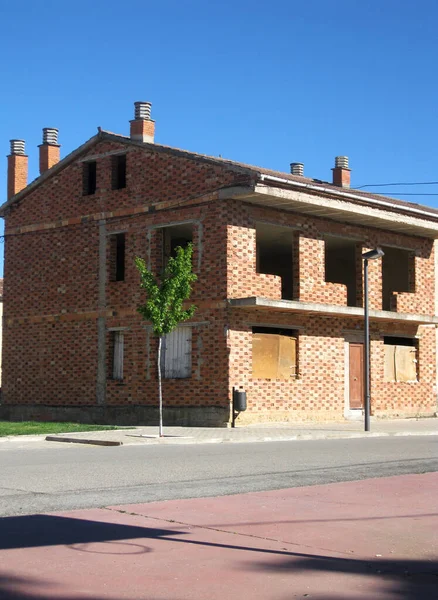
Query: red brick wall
[152, 177]
[52, 284]
[53, 362]
[318, 393]
[52, 292]
[313, 287]
[243, 280]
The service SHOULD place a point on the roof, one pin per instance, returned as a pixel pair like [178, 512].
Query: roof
[285, 178]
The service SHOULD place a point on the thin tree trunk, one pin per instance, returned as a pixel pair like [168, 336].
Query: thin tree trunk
[160, 394]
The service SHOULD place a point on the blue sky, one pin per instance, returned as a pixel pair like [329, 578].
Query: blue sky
[267, 83]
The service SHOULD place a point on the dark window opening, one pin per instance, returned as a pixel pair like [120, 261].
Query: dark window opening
[118, 172]
[117, 257]
[341, 266]
[89, 178]
[274, 255]
[174, 236]
[401, 359]
[274, 353]
[400, 341]
[398, 275]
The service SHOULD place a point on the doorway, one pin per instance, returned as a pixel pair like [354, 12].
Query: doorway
[356, 375]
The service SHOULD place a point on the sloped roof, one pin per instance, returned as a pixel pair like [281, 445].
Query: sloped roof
[287, 178]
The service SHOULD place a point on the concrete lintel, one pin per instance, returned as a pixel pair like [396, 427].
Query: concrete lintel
[172, 224]
[241, 192]
[93, 157]
[149, 326]
[329, 310]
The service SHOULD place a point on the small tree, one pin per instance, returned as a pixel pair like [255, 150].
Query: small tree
[165, 298]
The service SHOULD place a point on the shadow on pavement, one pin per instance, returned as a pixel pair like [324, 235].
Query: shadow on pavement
[407, 579]
[49, 530]
[10, 590]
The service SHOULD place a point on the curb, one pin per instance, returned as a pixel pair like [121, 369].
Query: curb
[69, 440]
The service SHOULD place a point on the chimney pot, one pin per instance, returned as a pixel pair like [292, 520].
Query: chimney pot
[341, 162]
[297, 169]
[341, 172]
[18, 147]
[143, 127]
[50, 136]
[142, 111]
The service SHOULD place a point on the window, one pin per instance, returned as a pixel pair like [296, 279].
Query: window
[398, 275]
[274, 353]
[274, 255]
[176, 354]
[340, 262]
[174, 236]
[118, 172]
[89, 178]
[117, 257]
[118, 342]
[401, 362]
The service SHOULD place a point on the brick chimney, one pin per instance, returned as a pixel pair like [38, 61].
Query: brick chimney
[341, 172]
[17, 168]
[142, 127]
[49, 149]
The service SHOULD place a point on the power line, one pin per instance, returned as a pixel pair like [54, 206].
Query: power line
[399, 183]
[405, 194]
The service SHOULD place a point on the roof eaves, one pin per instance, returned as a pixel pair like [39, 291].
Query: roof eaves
[160, 148]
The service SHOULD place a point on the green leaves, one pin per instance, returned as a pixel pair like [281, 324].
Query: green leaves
[165, 298]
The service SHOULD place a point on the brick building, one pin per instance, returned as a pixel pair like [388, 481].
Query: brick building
[279, 290]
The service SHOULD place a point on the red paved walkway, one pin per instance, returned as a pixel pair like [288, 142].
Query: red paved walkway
[370, 539]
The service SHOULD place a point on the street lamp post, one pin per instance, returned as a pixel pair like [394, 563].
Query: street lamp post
[370, 255]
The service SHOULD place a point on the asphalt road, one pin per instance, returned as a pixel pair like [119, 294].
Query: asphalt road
[40, 479]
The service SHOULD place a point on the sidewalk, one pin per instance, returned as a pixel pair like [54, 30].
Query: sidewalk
[253, 433]
[359, 540]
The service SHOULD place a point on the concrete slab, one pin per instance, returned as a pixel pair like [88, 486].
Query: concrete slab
[359, 540]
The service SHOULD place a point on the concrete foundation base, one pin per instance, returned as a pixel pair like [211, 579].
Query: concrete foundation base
[206, 416]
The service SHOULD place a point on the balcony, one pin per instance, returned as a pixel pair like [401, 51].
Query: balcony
[330, 310]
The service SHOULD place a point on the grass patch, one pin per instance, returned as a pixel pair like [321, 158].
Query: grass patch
[34, 427]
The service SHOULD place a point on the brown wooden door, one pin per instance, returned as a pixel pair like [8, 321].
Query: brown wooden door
[356, 376]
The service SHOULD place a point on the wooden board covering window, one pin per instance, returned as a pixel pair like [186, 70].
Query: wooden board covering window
[176, 354]
[400, 363]
[273, 356]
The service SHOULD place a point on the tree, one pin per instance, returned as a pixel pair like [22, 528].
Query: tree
[165, 301]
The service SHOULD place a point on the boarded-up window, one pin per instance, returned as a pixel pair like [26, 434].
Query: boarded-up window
[401, 359]
[274, 353]
[176, 354]
[118, 343]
